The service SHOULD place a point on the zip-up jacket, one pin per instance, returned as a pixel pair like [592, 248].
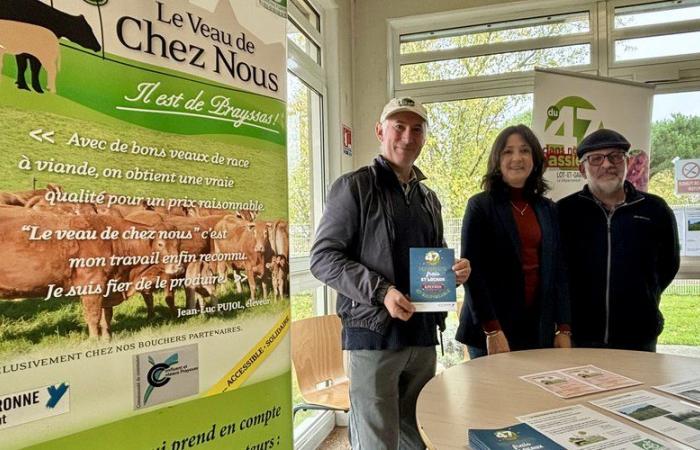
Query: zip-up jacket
[352, 252]
[619, 261]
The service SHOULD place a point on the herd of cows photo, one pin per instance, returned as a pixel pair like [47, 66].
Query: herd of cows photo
[103, 256]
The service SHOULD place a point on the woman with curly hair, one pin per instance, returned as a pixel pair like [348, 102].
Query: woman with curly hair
[517, 296]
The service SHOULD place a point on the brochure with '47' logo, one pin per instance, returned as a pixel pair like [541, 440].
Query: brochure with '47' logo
[433, 282]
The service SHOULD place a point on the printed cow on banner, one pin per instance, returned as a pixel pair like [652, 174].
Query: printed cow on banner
[30, 30]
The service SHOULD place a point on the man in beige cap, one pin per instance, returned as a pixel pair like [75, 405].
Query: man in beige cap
[373, 217]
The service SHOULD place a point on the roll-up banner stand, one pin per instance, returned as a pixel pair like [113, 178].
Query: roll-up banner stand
[144, 295]
[569, 106]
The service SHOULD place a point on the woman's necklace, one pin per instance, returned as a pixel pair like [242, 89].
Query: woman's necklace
[521, 211]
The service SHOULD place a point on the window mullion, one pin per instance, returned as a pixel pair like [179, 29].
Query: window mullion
[305, 67]
[314, 35]
[660, 29]
[575, 47]
[303, 24]
[523, 85]
[453, 89]
[496, 48]
[601, 50]
[394, 65]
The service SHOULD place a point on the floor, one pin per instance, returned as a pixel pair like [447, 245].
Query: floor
[338, 439]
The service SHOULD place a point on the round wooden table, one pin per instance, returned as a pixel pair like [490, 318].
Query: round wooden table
[487, 393]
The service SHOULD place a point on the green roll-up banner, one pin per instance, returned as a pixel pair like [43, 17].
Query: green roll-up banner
[144, 256]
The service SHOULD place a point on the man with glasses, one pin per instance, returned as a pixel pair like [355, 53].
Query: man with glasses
[622, 250]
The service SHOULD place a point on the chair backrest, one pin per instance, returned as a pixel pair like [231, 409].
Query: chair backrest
[317, 353]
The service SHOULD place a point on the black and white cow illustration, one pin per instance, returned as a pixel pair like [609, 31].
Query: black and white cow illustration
[74, 28]
[17, 38]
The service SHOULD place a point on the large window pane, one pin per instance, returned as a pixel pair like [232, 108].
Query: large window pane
[455, 154]
[657, 46]
[656, 13]
[495, 32]
[305, 304]
[303, 135]
[572, 55]
[303, 146]
[309, 12]
[454, 160]
[302, 41]
[675, 133]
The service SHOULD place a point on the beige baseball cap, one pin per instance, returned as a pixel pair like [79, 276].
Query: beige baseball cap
[401, 104]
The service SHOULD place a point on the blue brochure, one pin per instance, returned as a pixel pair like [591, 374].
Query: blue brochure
[433, 283]
[516, 437]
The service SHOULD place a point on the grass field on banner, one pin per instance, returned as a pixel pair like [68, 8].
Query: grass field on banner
[36, 325]
[101, 86]
[267, 161]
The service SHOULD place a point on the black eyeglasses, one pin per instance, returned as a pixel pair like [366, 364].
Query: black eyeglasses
[613, 157]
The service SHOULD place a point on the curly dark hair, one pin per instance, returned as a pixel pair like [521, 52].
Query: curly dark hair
[535, 184]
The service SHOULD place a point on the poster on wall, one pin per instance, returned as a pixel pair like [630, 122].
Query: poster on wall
[347, 140]
[144, 293]
[692, 231]
[569, 106]
[687, 176]
[679, 214]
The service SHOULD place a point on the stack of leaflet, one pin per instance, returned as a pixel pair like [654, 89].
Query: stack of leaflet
[516, 437]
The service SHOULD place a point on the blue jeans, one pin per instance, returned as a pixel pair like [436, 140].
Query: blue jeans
[476, 352]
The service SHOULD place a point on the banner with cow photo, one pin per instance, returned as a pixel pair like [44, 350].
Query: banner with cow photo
[144, 292]
[569, 106]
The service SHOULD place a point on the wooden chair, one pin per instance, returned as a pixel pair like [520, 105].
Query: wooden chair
[317, 357]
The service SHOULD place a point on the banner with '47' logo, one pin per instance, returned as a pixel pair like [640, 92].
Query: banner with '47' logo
[569, 106]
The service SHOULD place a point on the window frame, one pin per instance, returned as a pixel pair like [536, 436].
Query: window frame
[313, 74]
[665, 69]
[296, 47]
[463, 88]
[299, 266]
[681, 72]
[299, 56]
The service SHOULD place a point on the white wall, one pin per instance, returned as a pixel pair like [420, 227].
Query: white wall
[338, 63]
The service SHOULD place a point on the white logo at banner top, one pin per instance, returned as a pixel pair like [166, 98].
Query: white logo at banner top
[569, 106]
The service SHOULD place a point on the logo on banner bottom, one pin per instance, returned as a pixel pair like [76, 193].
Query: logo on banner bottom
[165, 375]
[41, 403]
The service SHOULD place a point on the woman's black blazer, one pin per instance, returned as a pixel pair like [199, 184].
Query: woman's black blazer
[496, 287]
